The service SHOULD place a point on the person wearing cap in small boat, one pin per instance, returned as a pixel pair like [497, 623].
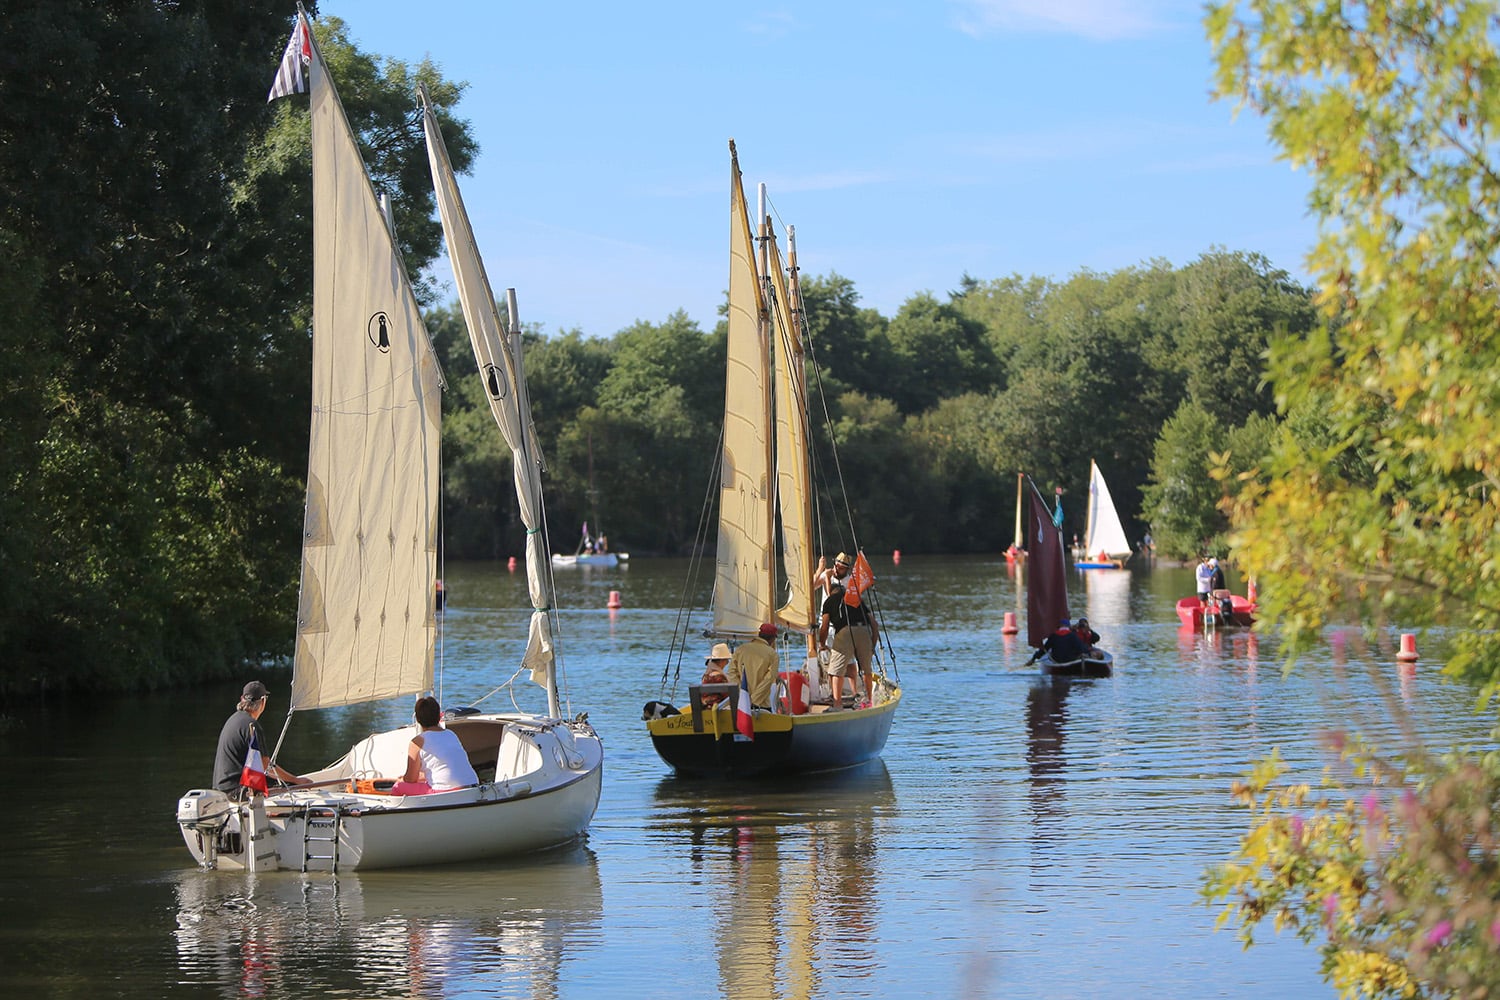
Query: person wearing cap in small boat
[758, 662]
[713, 671]
[1063, 644]
[1087, 637]
[234, 742]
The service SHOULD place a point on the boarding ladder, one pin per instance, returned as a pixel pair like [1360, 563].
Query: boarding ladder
[321, 826]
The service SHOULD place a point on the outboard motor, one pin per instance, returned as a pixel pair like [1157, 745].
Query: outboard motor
[208, 812]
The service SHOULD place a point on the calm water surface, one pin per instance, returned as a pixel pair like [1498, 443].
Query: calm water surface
[1019, 836]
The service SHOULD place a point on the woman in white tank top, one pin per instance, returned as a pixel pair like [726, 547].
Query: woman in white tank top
[435, 761]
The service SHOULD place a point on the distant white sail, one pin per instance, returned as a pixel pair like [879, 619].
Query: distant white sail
[1104, 532]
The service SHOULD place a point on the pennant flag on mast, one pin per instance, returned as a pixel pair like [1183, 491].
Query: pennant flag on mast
[254, 773]
[861, 579]
[291, 77]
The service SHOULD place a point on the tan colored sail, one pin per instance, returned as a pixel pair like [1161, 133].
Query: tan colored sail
[504, 383]
[366, 626]
[793, 476]
[742, 587]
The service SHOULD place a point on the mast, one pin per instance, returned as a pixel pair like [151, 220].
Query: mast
[1019, 477]
[796, 335]
[763, 330]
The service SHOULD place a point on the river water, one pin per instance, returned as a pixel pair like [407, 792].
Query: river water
[1019, 837]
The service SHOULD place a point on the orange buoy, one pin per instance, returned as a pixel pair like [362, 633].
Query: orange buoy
[614, 600]
[1250, 590]
[512, 564]
[1009, 628]
[1408, 646]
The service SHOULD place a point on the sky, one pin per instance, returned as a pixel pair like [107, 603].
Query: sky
[910, 142]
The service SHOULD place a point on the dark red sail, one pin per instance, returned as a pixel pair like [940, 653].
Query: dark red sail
[1046, 572]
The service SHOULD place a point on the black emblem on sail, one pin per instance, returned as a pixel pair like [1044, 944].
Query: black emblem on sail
[494, 381]
[379, 329]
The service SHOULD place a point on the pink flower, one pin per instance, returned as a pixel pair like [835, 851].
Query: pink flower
[1495, 932]
[1330, 909]
[1372, 806]
[1441, 931]
[1298, 828]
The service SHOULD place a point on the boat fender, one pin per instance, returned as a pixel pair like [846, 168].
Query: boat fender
[459, 712]
[796, 691]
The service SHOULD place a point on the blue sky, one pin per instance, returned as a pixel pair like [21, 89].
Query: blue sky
[909, 141]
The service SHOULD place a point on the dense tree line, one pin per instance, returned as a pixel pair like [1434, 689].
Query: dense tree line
[153, 420]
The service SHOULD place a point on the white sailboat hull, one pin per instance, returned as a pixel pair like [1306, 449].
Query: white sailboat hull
[543, 793]
[590, 559]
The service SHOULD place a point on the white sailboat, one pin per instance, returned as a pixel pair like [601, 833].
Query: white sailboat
[1104, 543]
[765, 509]
[366, 625]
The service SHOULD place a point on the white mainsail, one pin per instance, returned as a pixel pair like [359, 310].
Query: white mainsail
[505, 386]
[1104, 532]
[742, 583]
[366, 626]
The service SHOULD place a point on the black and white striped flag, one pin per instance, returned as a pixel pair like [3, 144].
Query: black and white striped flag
[291, 76]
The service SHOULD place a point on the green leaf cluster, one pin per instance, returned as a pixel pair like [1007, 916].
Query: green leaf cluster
[1377, 500]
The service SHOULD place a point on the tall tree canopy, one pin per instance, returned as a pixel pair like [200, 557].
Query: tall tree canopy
[156, 243]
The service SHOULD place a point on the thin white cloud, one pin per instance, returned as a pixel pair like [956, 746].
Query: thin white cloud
[1099, 20]
[770, 24]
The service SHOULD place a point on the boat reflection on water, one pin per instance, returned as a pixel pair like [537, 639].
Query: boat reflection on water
[789, 875]
[416, 933]
[1046, 715]
[1108, 600]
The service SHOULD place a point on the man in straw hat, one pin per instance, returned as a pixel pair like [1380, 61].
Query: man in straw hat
[713, 671]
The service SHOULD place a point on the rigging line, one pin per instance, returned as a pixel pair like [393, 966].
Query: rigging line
[695, 562]
[833, 442]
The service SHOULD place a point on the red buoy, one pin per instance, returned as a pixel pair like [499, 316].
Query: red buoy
[1010, 624]
[1408, 646]
[614, 600]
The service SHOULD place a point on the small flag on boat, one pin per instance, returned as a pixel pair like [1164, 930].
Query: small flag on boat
[254, 773]
[861, 579]
[1057, 512]
[290, 76]
[743, 720]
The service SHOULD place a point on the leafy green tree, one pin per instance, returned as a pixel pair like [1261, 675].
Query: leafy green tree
[155, 239]
[1230, 305]
[1181, 499]
[937, 352]
[1390, 513]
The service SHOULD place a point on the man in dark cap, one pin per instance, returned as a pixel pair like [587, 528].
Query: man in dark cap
[234, 742]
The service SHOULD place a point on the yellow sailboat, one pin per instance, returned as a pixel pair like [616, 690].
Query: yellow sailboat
[765, 512]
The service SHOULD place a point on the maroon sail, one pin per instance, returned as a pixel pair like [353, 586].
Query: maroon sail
[1046, 572]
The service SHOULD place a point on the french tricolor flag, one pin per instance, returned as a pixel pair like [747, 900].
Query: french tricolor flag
[254, 773]
[743, 720]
